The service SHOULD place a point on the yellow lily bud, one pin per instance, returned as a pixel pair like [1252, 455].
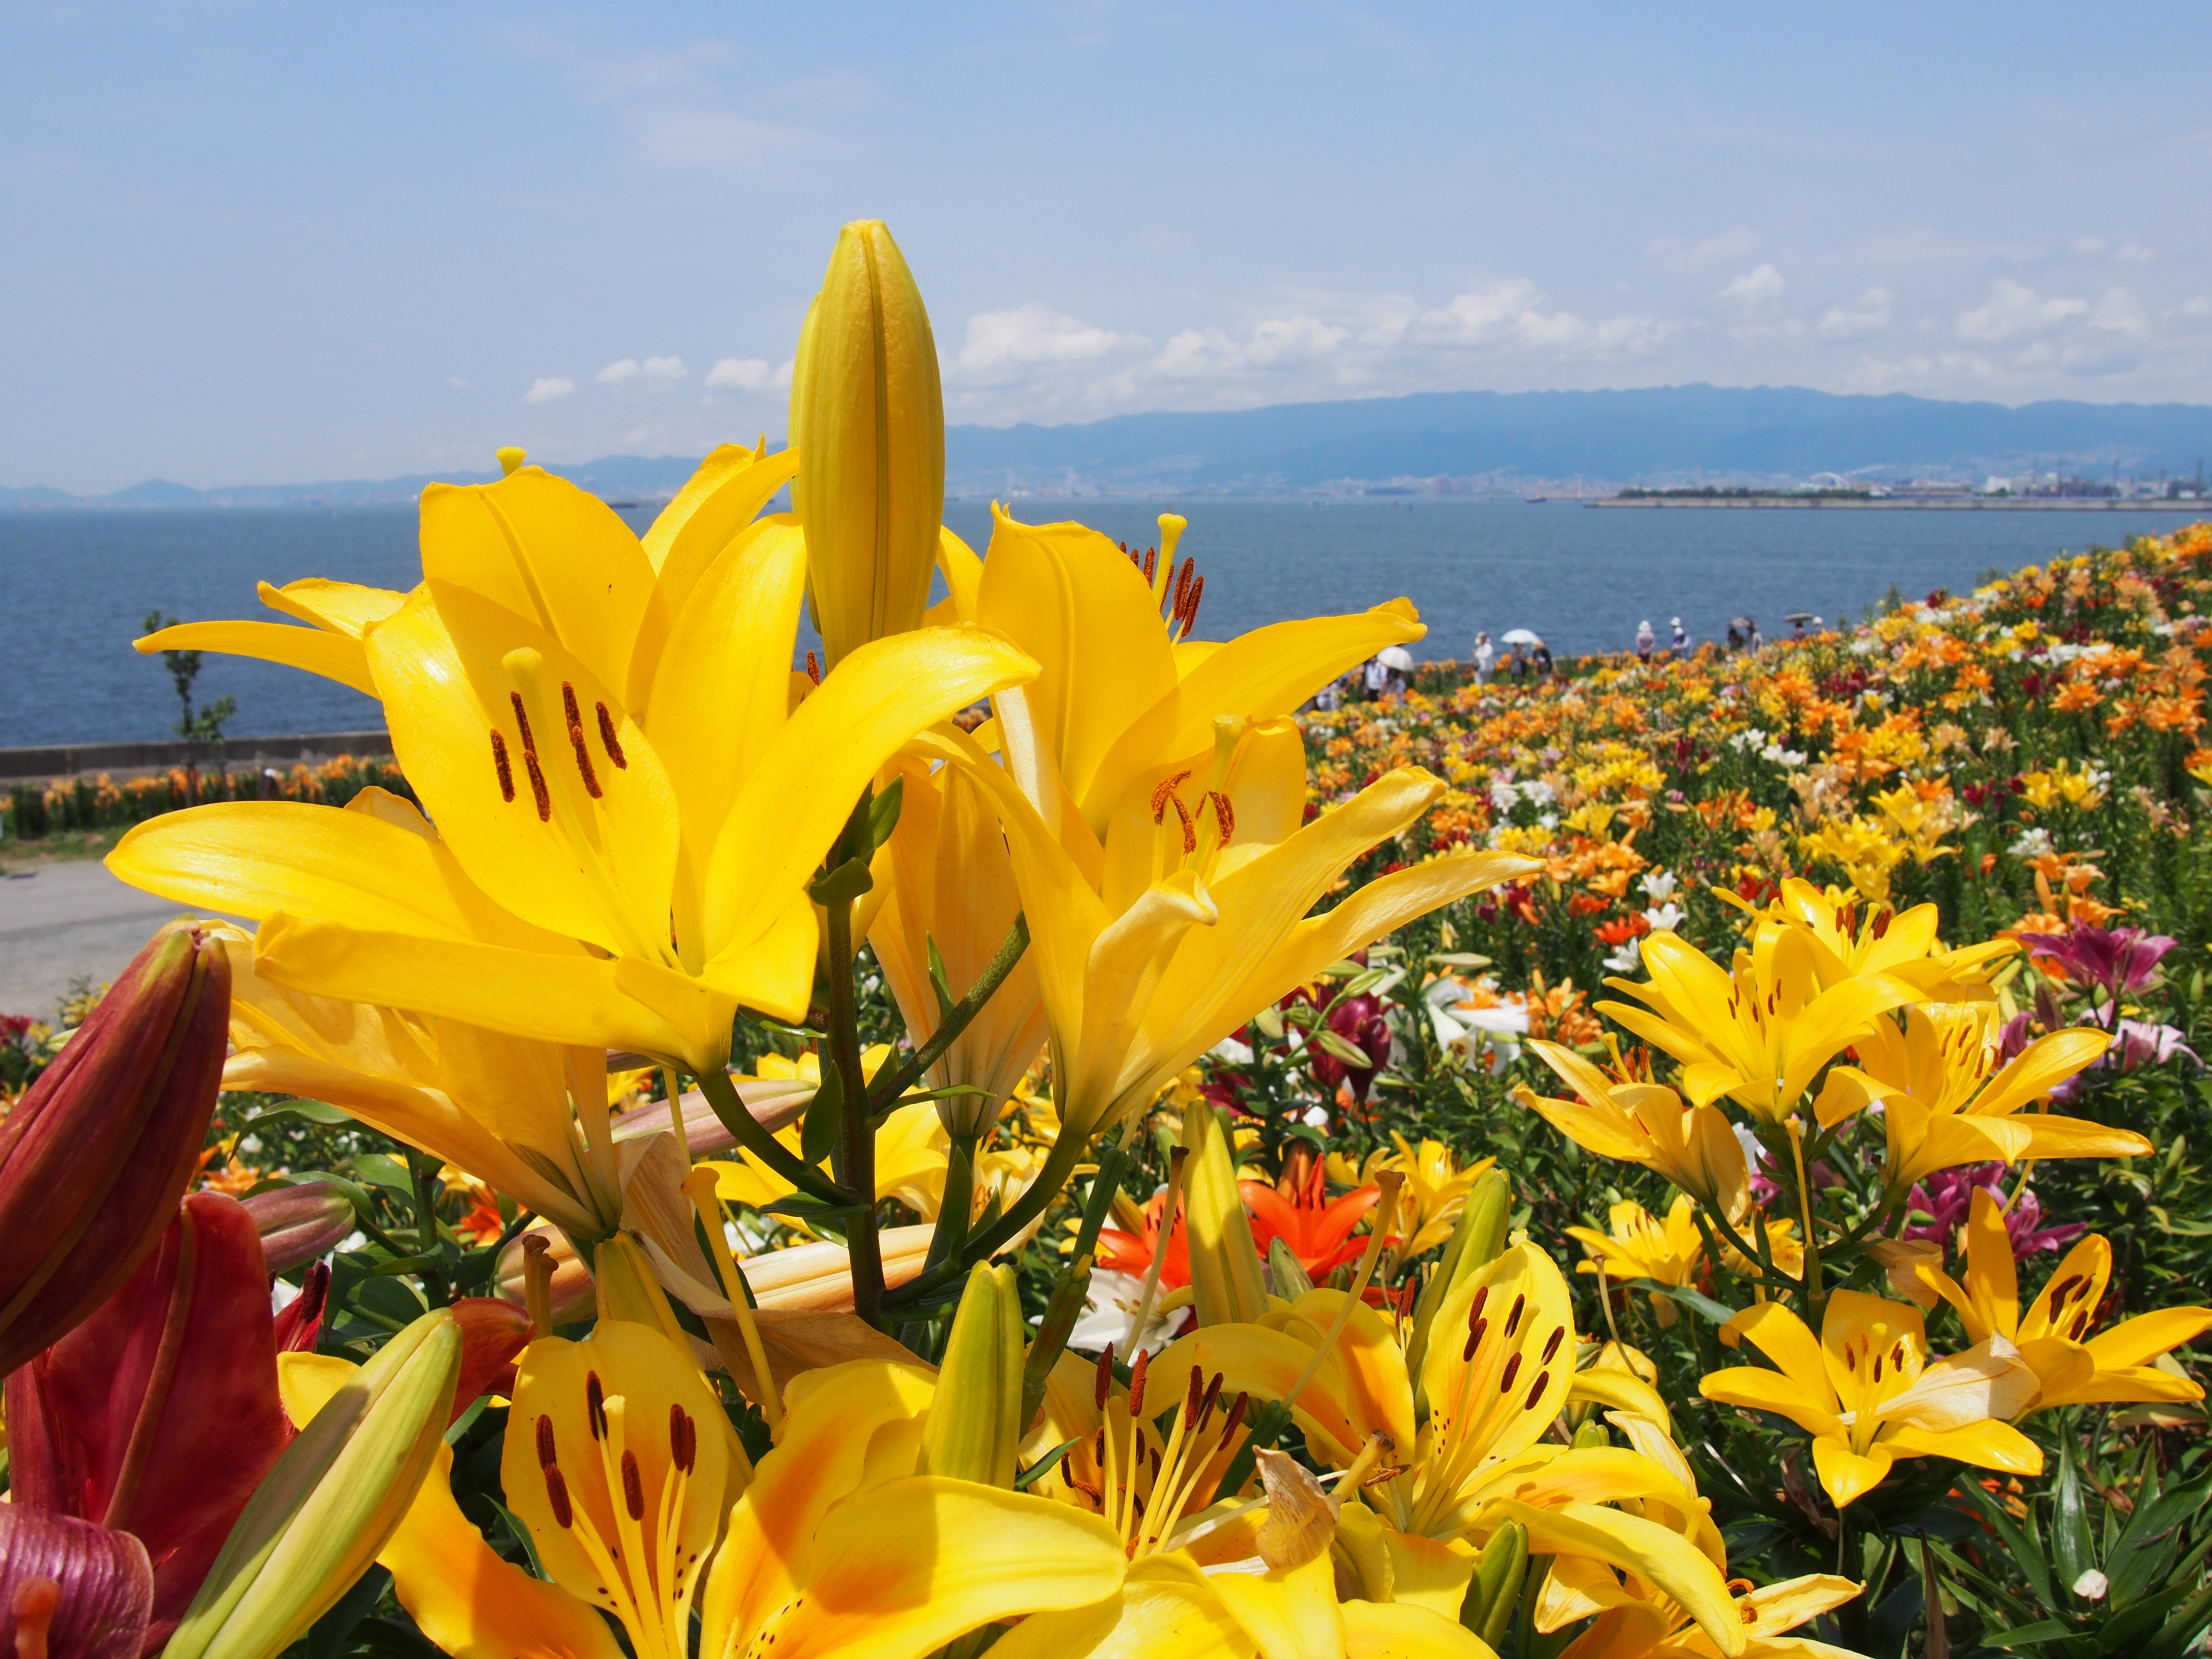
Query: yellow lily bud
[973, 1432]
[975, 1427]
[331, 1503]
[867, 418]
[1225, 1262]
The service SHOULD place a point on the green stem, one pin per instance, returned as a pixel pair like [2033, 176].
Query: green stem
[887, 1091]
[1059, 1164]
[856, 1162]
[722, 1095]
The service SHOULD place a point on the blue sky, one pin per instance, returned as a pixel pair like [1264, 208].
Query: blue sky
[267, 243]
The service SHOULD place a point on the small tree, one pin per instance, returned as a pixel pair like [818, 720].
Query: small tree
[205, 727]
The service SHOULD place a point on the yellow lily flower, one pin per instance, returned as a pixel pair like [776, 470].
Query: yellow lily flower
[1644, 1123]
[952, 889]
[2073, 1367]
[500, 1108]
[1877, 939]
[1435, 1191]
[1636, 1620]
[1869, 1394]
[838, 1546]
[1946, 1100]
[1192, 916]
[1122, 701]
[1641, 1246]
[1498, 1370]
[633, 878]
[1758, 1033]
[1208, 1575]
[515, 542]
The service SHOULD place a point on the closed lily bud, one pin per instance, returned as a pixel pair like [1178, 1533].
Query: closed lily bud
[867, 418]
[95, 1157]
[69, 1587]
[1494, 1591]
[302, 1224]
[332, 1503]
[1226, 1276]
[494, 1334]
[975, 1427]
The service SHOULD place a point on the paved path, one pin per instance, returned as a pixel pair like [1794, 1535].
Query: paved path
[60, 923]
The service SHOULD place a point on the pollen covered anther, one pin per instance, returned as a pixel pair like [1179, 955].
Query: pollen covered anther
[1164, 792]
[633, 1484]
[683, 1439]
[595, 1405]
[583, 750]
[608, 741]
[1224, 815]
[500, 763]
[546, 1457]
[556, 1494]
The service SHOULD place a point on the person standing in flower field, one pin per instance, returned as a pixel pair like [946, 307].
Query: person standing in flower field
[1485, 654]
[1646, 641]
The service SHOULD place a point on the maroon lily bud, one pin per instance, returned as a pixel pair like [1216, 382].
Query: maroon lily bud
[301, 1223]
[115, 1423]
[69, 1587]
[494, 1334]
[94, 1160]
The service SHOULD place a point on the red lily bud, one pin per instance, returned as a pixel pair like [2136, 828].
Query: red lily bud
[299, 1223]
[68, 1587]
[494, 1334]
[114, 1424]
[94, 1160]
[301, 1321]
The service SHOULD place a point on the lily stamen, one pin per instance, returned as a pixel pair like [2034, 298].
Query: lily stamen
[500, 763]
[537, 789]
[583, 751]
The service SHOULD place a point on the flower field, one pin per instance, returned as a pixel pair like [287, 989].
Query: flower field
[1015, 1137]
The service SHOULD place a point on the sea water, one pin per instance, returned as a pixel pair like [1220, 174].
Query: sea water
[75, 587]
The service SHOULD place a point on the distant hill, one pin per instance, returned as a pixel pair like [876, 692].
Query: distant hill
[1664, 434]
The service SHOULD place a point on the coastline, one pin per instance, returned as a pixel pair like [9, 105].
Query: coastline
[1892, 504]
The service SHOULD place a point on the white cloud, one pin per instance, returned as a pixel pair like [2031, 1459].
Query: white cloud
[2120, 311]
[652, 368]
[747, 374]
[2014, 311]
[457, 383]
[616, 373]
[1757, 290]
[663, 368]
[1870, 314]
[1696, 256]
[1034, 333]
[546, 387]
[2134, 253]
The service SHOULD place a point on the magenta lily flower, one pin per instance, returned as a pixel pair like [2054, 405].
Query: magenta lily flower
[2120, 959]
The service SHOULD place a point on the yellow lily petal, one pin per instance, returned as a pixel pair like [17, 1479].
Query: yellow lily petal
[717, 502]
[1783, 1338]
[1987, 1444]
[1655, 1553]
[721, 694]
[346, 608]
[530, 994]
[1267, 672]
[2139, 1340]
[1846, 1475]
[334, 656]
[1166, 1607]
[1395, 1630]
[804, 788]
[1770, 1391]
[2040, 1068]
[255, 858]
[1289, 1614]
[472, 1602]
[544, 550]
[568, 836]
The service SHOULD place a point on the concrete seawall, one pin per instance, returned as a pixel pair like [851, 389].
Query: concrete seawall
[45, 764]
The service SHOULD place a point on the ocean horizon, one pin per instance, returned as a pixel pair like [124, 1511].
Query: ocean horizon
[81, 582]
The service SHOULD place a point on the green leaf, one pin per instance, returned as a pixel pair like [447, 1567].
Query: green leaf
[847, 882]
[883, 813]
[2027, 1636]
[2021, 1545]
[380, 1171]
[1704, 1307]
[310, 1112]
[803, 1207]
[825, 1114]
[2072, 1553]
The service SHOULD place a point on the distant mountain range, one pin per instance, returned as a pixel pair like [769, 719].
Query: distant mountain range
[1463, 441]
